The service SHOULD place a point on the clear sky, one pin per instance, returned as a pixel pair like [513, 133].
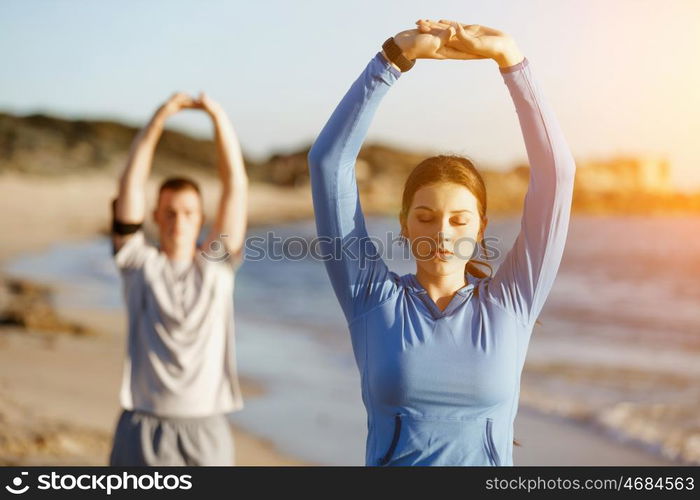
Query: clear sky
[622, 75]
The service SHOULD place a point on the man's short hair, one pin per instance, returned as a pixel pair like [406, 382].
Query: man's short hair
[179, 184]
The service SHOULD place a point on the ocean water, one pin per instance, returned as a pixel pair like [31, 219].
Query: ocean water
[627, 296]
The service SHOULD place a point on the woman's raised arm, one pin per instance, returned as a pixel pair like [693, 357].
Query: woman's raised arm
[358, 274]
[523, 281]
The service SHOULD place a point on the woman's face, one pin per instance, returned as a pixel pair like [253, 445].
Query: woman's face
[443, 227]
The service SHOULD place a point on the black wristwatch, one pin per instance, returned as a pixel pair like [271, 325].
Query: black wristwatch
[395, 55]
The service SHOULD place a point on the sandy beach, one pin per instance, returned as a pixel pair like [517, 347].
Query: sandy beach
[58, 390]
[58, 397]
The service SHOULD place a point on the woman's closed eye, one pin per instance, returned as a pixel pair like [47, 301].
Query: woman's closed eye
[457, 222]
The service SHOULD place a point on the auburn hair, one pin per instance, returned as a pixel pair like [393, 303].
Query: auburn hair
[458, 170]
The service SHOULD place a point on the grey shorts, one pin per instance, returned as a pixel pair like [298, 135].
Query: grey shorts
[146, 439]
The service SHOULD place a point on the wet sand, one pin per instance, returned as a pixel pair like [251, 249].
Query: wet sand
[59, 396]
[551, 441]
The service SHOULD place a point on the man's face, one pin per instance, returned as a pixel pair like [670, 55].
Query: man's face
[179, 217]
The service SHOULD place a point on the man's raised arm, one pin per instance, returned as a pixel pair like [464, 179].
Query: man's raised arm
[232, 213]
[129, 208]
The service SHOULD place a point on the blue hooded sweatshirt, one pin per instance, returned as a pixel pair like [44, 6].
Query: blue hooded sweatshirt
[440, 387]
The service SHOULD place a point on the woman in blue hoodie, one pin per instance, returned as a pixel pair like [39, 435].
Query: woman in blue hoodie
[441, 351]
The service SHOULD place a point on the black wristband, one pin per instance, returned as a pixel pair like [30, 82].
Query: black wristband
[395, 55]
[123, 228]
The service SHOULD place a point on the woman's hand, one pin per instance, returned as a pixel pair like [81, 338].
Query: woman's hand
[477, 40]
[430, 43]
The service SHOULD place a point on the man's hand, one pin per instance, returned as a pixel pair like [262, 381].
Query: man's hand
[176, 103]
[209, 105]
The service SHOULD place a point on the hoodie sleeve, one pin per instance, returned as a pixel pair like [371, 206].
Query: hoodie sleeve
[524, 279]
[359, 276]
